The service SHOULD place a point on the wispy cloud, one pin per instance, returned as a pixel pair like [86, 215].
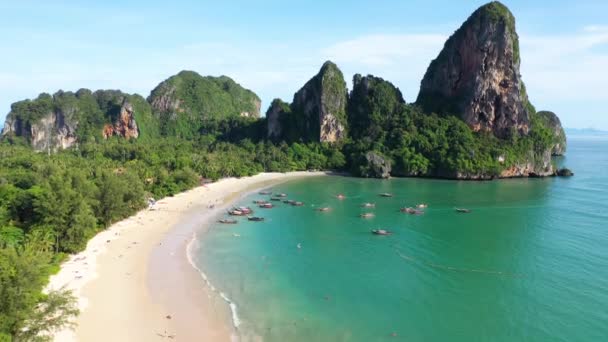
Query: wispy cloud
[562, 72]
[385, 50]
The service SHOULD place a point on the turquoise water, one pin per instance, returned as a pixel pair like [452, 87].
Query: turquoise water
[529, 263]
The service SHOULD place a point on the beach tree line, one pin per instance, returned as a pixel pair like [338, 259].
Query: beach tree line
[51, 205]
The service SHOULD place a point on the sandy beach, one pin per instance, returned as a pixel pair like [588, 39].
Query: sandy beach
[134, 281]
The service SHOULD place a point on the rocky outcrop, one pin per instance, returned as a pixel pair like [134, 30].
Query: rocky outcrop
[535, 165]
[56, 122]
[551, 121]
[476, 75]
[276, 115]
[377, 166]
[43, 122]
[322, 105]
[125, 125]
[185, 101]
[371, 105]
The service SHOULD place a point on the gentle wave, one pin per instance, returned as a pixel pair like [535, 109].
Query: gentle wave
[233, 308]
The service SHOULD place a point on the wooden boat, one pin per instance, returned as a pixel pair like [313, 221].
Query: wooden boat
[381, 232]
[235, 212]
[422, 206]
[367, 215]
[276, 199]
[368, 205]
[289, 201]
[463, 210]
[265, 192]
[386, 194]
[340, 196]
[297, 204]
[228, 221]
[281, 195]
[266, 205]
[245, 210]
[411, 211]
[324, 209]
[260, 202]
[255, 218]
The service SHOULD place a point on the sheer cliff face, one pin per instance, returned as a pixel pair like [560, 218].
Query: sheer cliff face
[125, 125]
[56, 122]
[322, 103]
[552, 122]
[53, 130]
[276, 115]
[476, 75]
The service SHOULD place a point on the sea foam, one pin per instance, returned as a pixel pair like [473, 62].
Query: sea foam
[192, 245]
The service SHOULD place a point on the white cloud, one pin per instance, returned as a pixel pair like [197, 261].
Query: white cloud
[385, 50]
[561, 72]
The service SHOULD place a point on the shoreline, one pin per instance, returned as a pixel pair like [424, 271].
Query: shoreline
[135, 282]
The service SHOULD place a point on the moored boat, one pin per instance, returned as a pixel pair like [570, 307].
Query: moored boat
[265, 192]
[297, 204]
[368, 205]
[381, 232]
[411, 211]
[463, 210]
[323, 209]
[422, 206]
[386, 194]
[266, 205]
[227, 221]
[255, 218]
[367, 215]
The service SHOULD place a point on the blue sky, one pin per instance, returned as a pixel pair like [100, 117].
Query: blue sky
[273, 47]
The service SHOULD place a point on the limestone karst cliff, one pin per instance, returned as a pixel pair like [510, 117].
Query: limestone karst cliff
[184, 102]
[59, 121]
[476, 75]
[322, 103]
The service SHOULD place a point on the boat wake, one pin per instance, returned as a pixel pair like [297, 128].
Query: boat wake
[455, 269]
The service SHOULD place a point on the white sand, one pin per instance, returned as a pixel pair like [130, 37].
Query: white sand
[135, 274]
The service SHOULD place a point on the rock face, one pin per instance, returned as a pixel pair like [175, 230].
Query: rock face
[536, 165]
[476, 75]
[371, 104]
[59, 121]
[565, 172]
[125, 125]
[184, 101]
[552, 122]
[276, 115]
[377, 166]
[43, 122]
[322, 105]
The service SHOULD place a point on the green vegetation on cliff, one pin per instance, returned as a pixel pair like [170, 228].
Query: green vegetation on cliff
[421, 144]
[319, 107]
[81, 115]
[186, 101]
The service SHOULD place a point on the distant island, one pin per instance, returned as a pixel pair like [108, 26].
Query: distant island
[590, 131]
[73, 163]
